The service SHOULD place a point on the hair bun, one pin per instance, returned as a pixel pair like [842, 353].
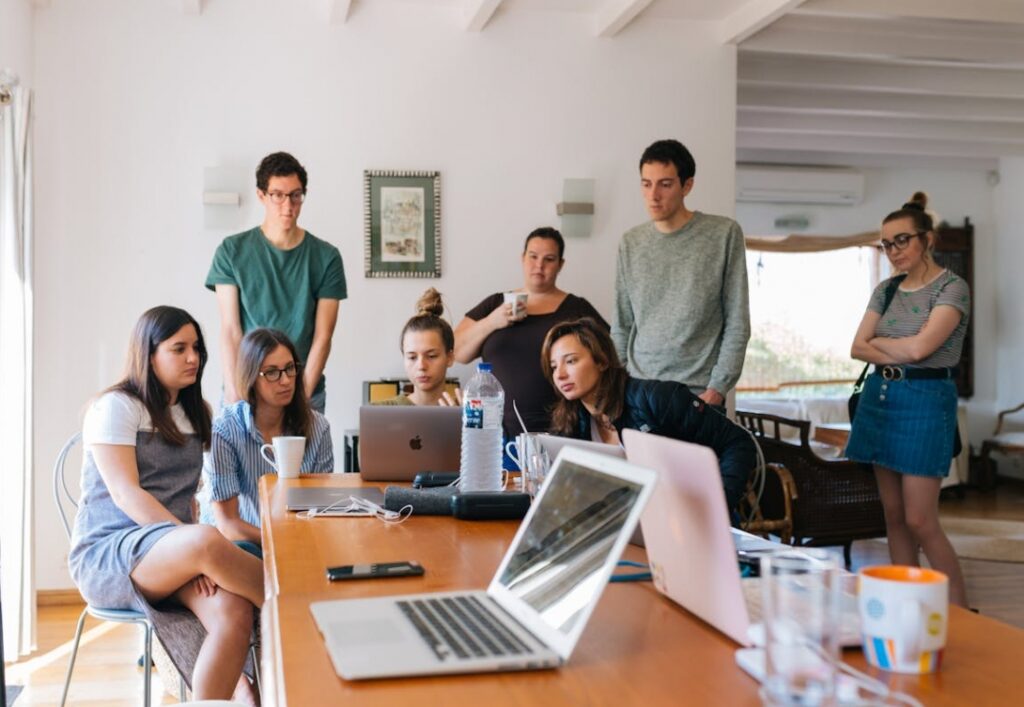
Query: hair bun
[918, 202]
[430, 303]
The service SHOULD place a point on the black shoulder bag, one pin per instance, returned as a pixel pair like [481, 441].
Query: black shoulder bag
[858, 387]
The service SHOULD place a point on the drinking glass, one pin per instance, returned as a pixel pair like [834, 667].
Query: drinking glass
[801, 618]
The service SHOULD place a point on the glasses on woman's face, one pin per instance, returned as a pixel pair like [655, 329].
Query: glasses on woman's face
[900, 241]
[278, 197]
[273, 374]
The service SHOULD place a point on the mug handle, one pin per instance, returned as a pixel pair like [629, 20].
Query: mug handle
[514, 456]
[263, 453]
[911, 626]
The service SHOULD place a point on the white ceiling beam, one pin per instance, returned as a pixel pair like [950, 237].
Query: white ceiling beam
[757, 69]
[477, 13]
[868, 104]
[873, 126]
[994, 46]
[1002, 11]
[192, 7]
[762, 155]
[752, 17]
[338, 11]
[616, 14]
[880, 145]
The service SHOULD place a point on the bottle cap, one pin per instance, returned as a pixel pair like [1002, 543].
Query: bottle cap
[483, 367]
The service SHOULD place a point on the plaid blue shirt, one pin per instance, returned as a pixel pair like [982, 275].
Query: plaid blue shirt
[234, 465]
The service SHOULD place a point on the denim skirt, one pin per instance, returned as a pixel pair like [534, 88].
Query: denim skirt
[907, 426]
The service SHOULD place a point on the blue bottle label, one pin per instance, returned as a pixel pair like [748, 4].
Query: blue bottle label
[473, 414]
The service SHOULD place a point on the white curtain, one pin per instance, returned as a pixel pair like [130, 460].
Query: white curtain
[17, 570]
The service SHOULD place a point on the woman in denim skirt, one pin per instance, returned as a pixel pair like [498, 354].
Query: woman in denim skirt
[906, 419]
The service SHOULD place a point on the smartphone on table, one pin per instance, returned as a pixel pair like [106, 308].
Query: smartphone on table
[378, 569]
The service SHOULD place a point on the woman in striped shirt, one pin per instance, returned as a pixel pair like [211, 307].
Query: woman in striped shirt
[906, 420]
[267, 371]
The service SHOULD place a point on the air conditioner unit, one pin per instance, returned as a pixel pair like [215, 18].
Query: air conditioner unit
[798, 185]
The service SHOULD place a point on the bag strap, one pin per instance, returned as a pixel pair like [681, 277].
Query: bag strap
[890, 293]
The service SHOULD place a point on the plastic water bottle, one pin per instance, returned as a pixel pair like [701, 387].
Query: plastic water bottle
[483, 403]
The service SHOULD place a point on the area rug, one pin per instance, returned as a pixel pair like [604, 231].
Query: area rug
[978, 539]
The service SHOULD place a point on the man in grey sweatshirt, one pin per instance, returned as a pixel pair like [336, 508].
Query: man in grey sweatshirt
[682, 311]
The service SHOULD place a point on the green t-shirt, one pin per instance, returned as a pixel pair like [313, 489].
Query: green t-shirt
[279, 288]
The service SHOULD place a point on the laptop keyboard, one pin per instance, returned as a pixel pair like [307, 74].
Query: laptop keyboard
[461, 627]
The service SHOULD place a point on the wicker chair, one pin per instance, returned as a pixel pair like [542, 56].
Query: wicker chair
[834, 501]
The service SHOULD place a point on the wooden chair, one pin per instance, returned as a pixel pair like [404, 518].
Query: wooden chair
[832, 502]
[1003, 442]
[779, 495]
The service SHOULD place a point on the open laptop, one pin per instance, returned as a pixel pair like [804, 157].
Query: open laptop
[690, 545]
[553, 444]
[396, 442]
[537, 604]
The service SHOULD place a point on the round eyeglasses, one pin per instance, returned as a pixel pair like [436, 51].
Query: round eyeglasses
[900, 241]
[278, 197]
[274, 374]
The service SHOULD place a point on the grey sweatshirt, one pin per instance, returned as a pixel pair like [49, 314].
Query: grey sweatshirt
[682, 311]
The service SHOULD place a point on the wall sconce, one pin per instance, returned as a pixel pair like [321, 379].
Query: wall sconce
[576, 208]
[222, 197]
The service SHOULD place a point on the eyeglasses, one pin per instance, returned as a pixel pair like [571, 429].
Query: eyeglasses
[274, 374]
[900, 241]
[278, 197]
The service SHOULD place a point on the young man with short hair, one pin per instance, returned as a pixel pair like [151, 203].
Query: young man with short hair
[681, 301]
[281, 276]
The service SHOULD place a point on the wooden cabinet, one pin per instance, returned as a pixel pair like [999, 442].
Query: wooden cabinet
[954, 249]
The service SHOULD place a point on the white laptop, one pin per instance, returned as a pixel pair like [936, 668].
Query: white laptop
[537, 604]
[396, 442]
[553, 444]
[690, 545]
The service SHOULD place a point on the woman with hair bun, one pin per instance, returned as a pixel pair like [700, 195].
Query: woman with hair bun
[906, 420]
[428, 350]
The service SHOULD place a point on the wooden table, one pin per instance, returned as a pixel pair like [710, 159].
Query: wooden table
[639, 648]
[834, 435]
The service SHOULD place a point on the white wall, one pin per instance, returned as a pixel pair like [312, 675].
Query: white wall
[136, 99]
[16, 38]
[954, 195]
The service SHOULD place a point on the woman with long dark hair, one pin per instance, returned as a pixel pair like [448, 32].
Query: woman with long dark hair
[598, 399]
[135, 544]
[268, 372]
[905, 424]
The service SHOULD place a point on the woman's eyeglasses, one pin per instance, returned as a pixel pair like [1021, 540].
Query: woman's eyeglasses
[274, 374]
[900, 241]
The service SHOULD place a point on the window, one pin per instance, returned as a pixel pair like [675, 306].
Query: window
[804, 311]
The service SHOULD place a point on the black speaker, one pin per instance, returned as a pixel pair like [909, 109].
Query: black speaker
[479, 505]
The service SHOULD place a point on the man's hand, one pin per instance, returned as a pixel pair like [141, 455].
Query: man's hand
[712, 397]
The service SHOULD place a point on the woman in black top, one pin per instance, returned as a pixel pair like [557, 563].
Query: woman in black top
[512, 347]
[598, 399]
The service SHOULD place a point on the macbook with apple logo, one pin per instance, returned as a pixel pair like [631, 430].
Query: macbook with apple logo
[396, 442]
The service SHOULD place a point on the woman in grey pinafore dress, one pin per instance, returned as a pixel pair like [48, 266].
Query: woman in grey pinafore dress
[135, 544]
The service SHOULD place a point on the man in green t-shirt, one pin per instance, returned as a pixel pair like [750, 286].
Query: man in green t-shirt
[279, 275]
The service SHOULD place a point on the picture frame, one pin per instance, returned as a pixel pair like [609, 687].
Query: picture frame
[402, 223]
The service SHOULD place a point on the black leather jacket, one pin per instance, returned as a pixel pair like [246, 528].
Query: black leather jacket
[669, 409]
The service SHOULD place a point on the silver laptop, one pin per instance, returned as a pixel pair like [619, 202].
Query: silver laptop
[553, 444]
[690, 545]
[537, 604]
[396, 442]
[330, 500]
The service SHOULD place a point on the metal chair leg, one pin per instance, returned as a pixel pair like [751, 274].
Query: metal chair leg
[256, 671]
[147, 668]
[74, 654]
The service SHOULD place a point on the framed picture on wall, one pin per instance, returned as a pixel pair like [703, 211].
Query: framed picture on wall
[402, 223]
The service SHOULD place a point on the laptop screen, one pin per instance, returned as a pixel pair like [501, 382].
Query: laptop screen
[556, 568]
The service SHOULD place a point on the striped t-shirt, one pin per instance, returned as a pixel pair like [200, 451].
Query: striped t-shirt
[234, 465]
[909, 310]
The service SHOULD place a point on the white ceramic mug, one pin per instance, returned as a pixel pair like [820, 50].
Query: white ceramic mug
[518, 450]
[904, 613]
[518, 302]
[288, 452]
